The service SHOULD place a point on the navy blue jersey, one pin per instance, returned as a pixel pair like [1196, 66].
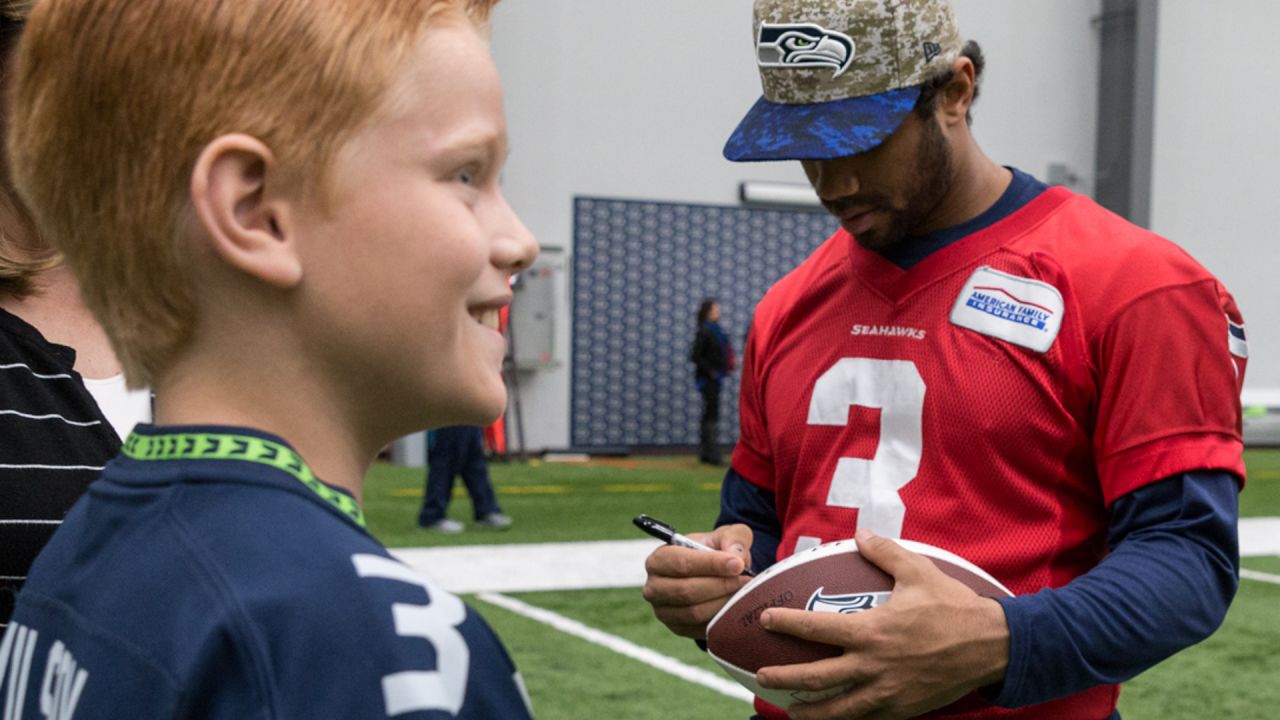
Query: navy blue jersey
[209, 574]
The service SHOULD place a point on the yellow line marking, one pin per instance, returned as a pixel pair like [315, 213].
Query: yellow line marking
[1265, 475]
[460, 491]
[532, 489]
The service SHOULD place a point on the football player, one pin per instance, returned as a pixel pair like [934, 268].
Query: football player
[977, 361]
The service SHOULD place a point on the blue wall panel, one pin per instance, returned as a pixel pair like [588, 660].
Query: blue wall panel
[639, 271]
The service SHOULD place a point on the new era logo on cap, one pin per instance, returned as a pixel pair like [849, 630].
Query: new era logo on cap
[839, 76]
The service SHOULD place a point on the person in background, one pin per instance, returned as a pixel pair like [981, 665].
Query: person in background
[452, 451]
[977, 361]
[713, 359]
[64, 406]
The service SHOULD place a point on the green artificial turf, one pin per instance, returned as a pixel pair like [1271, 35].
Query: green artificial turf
[571, 679]
[1263, 564]
[1261, 495]
[556, 502]
[553, 502]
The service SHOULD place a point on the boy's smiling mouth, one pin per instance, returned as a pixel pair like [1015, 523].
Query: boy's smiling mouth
[487, 317]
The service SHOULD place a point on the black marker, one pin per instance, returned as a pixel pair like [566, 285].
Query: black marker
[668, 535]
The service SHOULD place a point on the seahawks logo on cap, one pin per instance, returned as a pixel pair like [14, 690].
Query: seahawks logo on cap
[803, 45]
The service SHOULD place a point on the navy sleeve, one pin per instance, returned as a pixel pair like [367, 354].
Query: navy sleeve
[1166, 584]
[743, 502]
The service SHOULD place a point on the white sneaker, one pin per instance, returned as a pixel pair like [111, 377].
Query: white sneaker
[495, 520]
[446, 525]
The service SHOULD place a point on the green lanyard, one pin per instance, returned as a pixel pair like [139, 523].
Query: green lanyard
[210, 446]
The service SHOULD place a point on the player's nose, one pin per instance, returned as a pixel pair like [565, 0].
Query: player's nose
[832, 179]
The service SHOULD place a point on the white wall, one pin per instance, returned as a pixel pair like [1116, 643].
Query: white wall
[1039, 101]
[635, 99]
[1216, 156]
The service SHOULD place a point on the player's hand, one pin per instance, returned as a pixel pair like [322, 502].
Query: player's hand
[688, 587]
[930, 644]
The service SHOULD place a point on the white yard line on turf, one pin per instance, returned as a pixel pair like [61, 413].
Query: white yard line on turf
[536, 566]
[1259, 576]
[1259, 536]
[620, 563]
[622, 647]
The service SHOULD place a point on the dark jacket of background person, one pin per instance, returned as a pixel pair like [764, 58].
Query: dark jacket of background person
[712, 356]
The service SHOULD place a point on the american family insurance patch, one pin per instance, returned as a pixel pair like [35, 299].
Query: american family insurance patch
[1019, 310]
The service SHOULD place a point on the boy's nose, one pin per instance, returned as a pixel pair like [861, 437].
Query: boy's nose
[514, 246]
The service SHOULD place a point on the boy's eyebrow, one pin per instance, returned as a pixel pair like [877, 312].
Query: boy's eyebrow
[491, 145]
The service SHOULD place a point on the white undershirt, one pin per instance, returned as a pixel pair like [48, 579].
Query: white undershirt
[122, 407]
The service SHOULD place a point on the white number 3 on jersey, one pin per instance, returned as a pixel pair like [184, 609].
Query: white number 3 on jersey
[896, 389]
[437, 622]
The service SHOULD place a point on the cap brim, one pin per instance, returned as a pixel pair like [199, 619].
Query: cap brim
[820, 131]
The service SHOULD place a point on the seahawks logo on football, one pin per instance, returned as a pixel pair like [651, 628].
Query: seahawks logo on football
[852, 603]
[803, 45]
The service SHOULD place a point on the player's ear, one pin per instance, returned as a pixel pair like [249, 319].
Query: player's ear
[956, 96]
[246, 226]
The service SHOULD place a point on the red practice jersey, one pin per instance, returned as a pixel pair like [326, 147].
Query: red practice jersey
[993, 399]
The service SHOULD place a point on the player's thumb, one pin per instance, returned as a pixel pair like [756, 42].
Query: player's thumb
[888, 555]
[735, 539]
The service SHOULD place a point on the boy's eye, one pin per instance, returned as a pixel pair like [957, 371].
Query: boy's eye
[466, 177]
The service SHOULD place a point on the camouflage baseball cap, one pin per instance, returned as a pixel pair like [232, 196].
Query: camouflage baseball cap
[840, 76]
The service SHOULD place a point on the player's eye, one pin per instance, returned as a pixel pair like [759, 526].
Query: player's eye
[466, 177]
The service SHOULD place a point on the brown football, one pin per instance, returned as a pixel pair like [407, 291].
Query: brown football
[828, 578]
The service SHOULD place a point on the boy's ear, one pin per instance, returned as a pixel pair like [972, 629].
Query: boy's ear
[247, 227]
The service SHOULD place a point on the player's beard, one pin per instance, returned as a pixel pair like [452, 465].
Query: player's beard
[927, 185]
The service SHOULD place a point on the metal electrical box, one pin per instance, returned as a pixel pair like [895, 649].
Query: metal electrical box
[533, 315]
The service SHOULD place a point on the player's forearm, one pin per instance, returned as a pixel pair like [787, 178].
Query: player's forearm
[1166, 585]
